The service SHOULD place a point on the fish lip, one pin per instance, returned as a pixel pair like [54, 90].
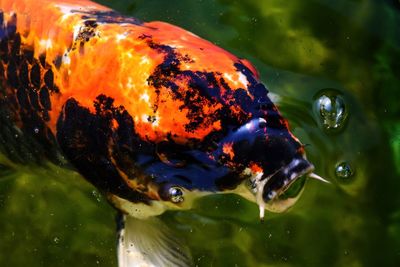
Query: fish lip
[290, 175]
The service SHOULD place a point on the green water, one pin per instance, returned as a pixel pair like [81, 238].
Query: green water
[52, 217]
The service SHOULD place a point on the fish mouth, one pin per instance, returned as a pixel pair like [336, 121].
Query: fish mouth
[269, 189]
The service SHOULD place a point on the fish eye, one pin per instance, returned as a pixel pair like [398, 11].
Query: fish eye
[175, 194]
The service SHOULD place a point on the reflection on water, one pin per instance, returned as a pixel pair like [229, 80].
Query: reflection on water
[300, 48]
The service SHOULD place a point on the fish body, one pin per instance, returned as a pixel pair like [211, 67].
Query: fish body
[149, 113]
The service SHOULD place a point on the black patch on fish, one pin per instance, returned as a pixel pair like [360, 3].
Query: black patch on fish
[35, 76]
[111, 16]
[24, 136]
[57, 62]
[85, 34]
[22, 96]
[12, 76]
[16, 45]
[90, 143]
[34, 99]
[49, 79]
[91, 23]
[87, 31]
[1, 22]
[44, 97]
[42, 60]
[28, 55]
[203, 90]
[24, 73]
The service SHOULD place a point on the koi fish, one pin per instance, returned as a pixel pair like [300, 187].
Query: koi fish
[149, 113]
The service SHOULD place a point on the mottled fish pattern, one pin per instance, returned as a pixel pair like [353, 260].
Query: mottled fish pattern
[136, 107]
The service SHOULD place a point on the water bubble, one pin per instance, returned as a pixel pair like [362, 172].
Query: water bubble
[344, 171]
[331, 109]
[175, 194]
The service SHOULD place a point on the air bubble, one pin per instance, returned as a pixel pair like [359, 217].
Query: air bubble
[175, 194]
[331, 110]
[56, 240]
[36, 130]
[344, 172]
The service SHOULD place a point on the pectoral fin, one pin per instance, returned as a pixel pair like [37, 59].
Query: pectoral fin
[149, 243]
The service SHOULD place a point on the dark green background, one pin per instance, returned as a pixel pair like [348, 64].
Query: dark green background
[52, 217]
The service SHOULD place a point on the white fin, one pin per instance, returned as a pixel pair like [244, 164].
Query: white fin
[150, 243]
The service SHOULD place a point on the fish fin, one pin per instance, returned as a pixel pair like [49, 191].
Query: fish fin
[149, 243]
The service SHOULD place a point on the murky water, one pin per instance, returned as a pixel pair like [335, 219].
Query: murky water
[335, 68]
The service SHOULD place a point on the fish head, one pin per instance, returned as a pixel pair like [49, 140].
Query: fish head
[268, 161]
[251, 144]
[272, 162]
